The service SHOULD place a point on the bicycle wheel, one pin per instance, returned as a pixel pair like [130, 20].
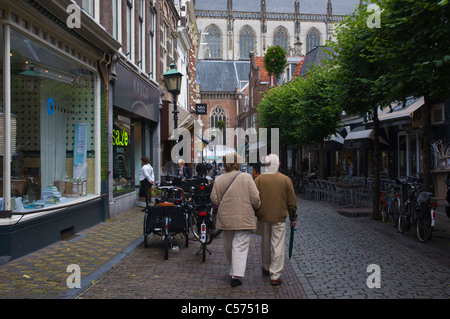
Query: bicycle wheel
[186, 230]
[384, 212]
[166, 238]
[193, 225]
[213, 232]
[423, 227]
[403, 218]
[145, 231]
[395, 210]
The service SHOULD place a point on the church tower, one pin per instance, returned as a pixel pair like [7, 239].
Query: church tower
[230, 30]
[263, 25]
[329, 20]
[297, 50]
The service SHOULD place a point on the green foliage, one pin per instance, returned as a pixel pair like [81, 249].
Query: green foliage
[275, 60]
[304, 109]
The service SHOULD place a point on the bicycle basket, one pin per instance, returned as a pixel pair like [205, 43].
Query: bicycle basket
[424, 197]
[202, 195]
[177, 219]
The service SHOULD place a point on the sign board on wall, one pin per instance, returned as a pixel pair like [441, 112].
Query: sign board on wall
[200, 109]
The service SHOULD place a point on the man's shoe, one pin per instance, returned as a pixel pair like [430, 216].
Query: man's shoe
[276, 282]
[265, 272]
[235, 282]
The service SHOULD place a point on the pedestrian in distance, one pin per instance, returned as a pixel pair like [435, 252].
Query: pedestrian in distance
[237, 197]
[201, 169]
[146, 178]
[183, 170]
[277, 201]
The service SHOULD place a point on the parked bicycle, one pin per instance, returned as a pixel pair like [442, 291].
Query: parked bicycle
[203, 217]
[416, 209]
[447, 198]
[296, 178]
[390, 203]
[166, 217]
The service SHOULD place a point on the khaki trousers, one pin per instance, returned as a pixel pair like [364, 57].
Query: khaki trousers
[273, 236]
[236, 243]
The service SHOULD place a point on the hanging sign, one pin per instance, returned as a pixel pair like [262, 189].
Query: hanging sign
[200, 109]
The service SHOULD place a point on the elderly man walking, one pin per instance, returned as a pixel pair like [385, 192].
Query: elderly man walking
[277, 201]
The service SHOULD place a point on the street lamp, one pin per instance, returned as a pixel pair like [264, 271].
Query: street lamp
[172, 79]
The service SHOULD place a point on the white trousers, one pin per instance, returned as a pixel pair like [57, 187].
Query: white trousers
[273, 236]
[236, 244]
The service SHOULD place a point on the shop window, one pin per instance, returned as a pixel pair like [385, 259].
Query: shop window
[53, 107]
[123, 168]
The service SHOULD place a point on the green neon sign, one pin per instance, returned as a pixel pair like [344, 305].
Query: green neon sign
[119, 138]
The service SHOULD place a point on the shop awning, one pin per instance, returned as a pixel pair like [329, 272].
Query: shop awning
[400, 113]
[361, 140]
[334, 142]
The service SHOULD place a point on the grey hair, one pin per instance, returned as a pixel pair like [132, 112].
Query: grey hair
[272, 163]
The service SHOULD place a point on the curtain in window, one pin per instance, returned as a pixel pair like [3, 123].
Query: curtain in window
[246, 42]
[53, 133]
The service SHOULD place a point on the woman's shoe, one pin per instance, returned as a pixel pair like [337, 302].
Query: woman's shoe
[235, 282]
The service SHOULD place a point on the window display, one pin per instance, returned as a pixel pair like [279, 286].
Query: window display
[53, 105]
[123, 171]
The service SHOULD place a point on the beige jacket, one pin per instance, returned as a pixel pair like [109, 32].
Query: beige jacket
[277, 198]
[237, 208]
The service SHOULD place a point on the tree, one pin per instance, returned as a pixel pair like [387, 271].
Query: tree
[359, 70]
[407, 55]
[275, 60]
[304, 109]
[276, 111]
[418, 49]
[319, 114]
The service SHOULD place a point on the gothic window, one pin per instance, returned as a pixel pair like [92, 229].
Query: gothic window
[246, 42]
[281, 38]
[213, 49]
[218, 118]
[312, 39]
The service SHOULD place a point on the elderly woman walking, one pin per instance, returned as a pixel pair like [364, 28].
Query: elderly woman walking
[237, 197]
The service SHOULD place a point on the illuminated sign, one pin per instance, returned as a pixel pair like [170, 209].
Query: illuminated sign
[120, 138]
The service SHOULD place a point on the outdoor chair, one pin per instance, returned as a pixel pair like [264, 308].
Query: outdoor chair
[318, 192]
[309, 189]
[338, 196]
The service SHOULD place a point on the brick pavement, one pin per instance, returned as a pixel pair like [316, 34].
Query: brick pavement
[146, 275]
[43, 274]
[115, 248]
[333, 251]
[330, 260]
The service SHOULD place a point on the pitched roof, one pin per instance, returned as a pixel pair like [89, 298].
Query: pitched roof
[315, 56]
[264, 75]
[221, 76]
[298, 68]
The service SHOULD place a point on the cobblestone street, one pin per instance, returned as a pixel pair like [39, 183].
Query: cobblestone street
[330, 260]
[333, 252]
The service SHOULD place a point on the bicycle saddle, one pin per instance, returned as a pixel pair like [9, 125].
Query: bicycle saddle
[165, 204]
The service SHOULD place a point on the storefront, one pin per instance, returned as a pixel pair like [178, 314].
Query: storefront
[405, 122]
[135, 133]
[50, 138]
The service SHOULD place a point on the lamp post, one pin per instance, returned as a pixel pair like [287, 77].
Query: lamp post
[172, 79]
